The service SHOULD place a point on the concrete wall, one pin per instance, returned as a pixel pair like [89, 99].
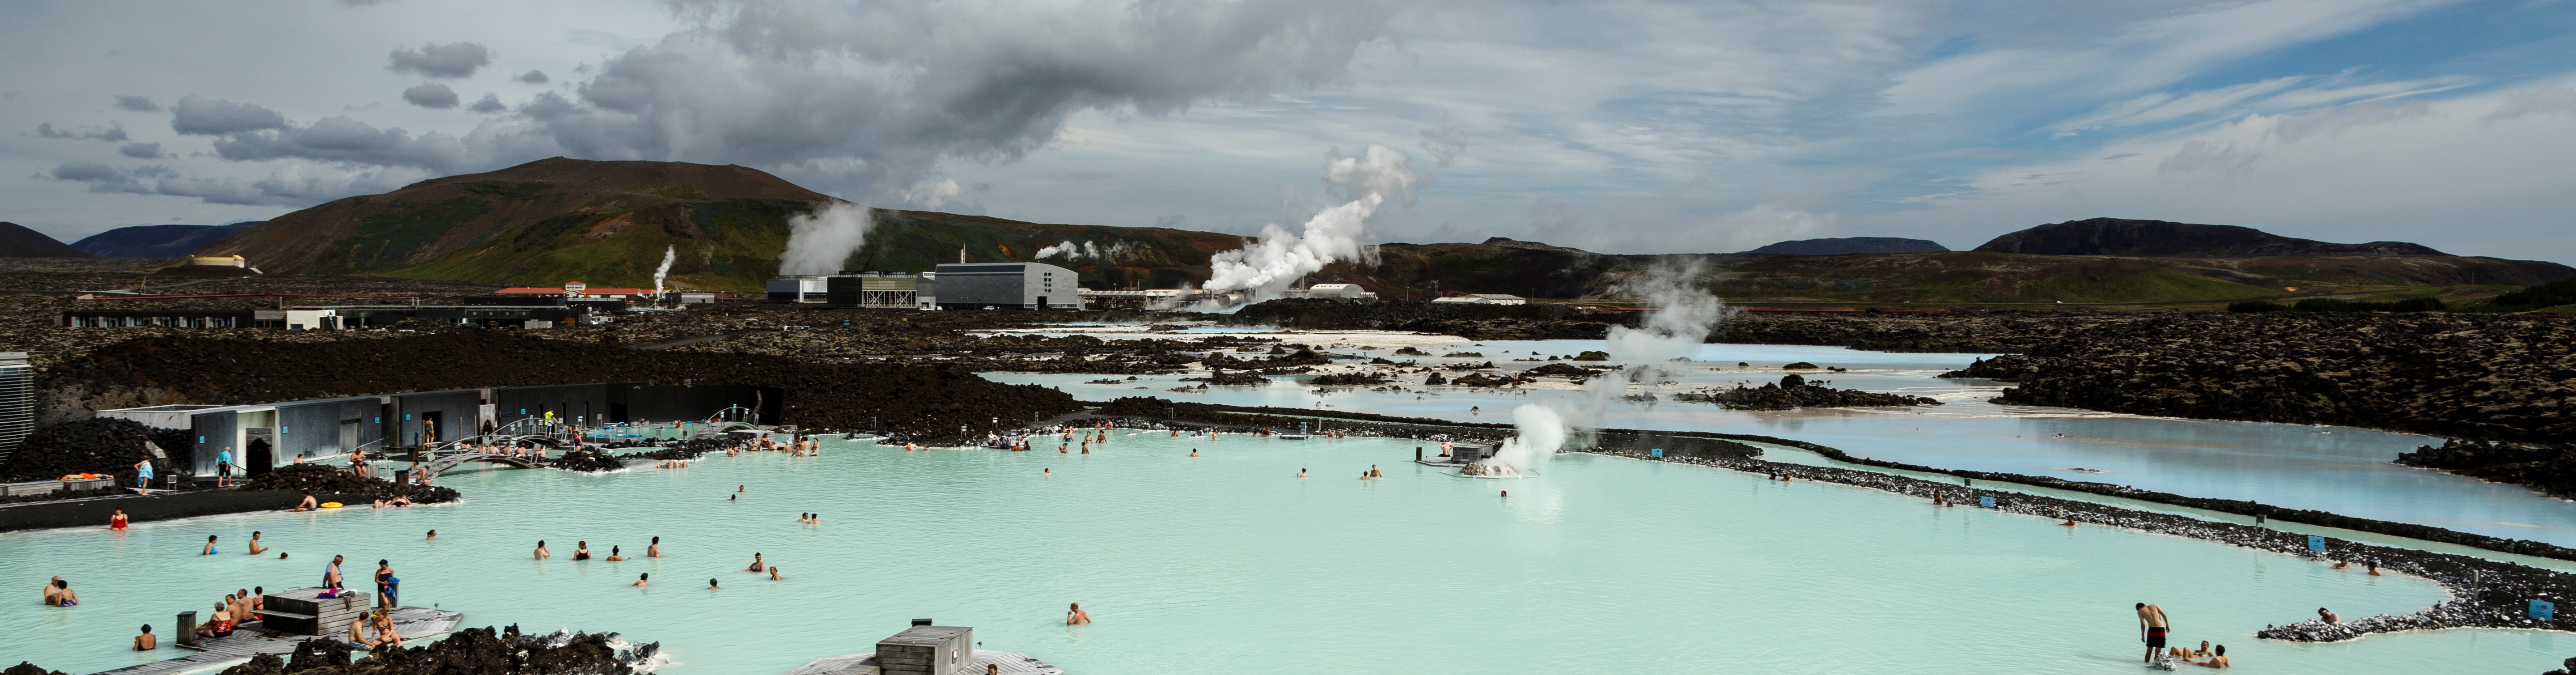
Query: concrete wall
[665, 403]
[312, 429]
[569, 402]
[457, 410]
[214, 432]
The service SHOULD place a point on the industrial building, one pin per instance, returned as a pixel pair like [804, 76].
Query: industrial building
[516, 313]
[1351, 292]
[319, 429]
[1008, 286]
[966, 286]
[1482, 299]
[882, 290]
[17, 402]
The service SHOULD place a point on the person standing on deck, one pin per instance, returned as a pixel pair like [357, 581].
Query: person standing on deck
[224, 467]
[2152, 626]
[331, 573]
[143, 476]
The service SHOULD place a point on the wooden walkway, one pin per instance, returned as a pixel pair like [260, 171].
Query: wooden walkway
[1009, 663]
[416, 624]
[442, 463]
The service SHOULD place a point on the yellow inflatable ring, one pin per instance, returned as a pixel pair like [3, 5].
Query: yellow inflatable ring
[330, 505]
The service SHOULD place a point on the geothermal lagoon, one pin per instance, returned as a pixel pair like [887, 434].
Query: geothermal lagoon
[1228, 562]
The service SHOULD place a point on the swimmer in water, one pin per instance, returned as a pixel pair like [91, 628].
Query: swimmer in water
[2374, 568]
[654, 550]
[641, 578]
[711, 585]
[2070, 521]
[1301, 472]
[756, 564]
[581, 550]
[1507, 493]
[210, 546]
[433, 536]
[1046, 472]
[1194, 452]
[255, 548]
[1075, 616]
[773, 573]
[729, 497]
[613, 555]
[542, 553]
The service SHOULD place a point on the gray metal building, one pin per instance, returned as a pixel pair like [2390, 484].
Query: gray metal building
[1008, 286]
[17, 402]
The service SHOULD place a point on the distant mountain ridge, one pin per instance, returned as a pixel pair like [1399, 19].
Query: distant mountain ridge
[2162, 238]
[1850, 245]
[16, 241]
[156, 241]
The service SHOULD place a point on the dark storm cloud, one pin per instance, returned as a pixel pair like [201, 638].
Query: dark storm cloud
[213, 117]
[141, 150]
[431, 95]
[455, 59]
[532, 77]
[491, 103]
[111, 134]
[137, 104]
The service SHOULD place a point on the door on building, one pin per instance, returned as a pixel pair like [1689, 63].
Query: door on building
[430, 427]
[260, 452]
[1042, 302]
[349, 434]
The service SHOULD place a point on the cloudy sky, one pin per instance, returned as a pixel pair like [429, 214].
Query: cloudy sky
[1619, 126]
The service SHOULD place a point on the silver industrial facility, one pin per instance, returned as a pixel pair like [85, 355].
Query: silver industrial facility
[966, 286]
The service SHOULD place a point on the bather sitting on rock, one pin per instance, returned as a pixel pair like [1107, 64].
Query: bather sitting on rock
[307, 505]
[2329, 617]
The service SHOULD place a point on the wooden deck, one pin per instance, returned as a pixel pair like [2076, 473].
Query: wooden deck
[415, 624]
[1010, 663]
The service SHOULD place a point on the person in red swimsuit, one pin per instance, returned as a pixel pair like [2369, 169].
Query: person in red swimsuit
[116, 522]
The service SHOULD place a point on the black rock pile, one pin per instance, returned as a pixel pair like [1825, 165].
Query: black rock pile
[1794, 391]
[586, 460]
[2548, 466]
[1351, 379]
[320, 479]
[96, 445]
[472, 651]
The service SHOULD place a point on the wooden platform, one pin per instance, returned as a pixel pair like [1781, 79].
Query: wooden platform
[1010, 663]
[416, 624]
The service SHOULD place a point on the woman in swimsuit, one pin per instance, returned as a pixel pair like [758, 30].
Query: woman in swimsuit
[117, 521]
[581, 550]
[756, 564]
[210, 546]
[613, 556]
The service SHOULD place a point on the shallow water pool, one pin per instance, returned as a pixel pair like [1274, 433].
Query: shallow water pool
[1227, 562]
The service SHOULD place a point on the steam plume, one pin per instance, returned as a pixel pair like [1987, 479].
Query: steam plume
[1072, 251]
[668, 255]
[1342, 232]
[1681, 321]
[1541, 432]
[817, 243]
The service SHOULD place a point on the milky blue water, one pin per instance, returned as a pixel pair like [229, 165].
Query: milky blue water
[1229, 563]
[2339, 469]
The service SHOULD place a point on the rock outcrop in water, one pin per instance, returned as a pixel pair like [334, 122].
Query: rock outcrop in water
[1794, 391]
[319, 479]
[471, 651]
[2548, 466]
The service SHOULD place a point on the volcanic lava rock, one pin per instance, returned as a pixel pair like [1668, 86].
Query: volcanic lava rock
[25, 668]
[98, 445]
[1236, 378]
[1794, 391]
[472, 651]
[319, 479]
[2549, 467]
[588, 461]
[1480, 380]
[1434, 380]
[1352, 379]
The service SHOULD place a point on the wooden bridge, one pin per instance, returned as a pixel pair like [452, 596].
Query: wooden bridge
[443, 462]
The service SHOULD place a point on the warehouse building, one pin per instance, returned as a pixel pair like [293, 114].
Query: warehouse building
[799, 288]
[265, 436]
[882, 290]
[1008, 286]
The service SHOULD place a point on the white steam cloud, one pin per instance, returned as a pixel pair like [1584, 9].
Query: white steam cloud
[1071, 251]
[1542, 430]
[1682, 319]
[1342, 232]
[668, 255]
[818, 242]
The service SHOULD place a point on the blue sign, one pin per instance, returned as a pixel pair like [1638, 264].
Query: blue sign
[1659, 452]
[1986, 501]
[2316, 544]
[2544, 610]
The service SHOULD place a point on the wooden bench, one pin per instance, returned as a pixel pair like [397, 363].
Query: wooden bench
[303, 612]
[41, 487]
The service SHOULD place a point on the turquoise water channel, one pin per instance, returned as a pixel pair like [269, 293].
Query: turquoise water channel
[1229, 563]
[2339, 469]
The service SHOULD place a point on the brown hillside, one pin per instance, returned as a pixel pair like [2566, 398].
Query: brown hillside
[437, 218]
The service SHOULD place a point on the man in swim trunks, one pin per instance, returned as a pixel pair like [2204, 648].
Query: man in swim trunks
[2152, 626]
[331, 574]
[307, 505]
